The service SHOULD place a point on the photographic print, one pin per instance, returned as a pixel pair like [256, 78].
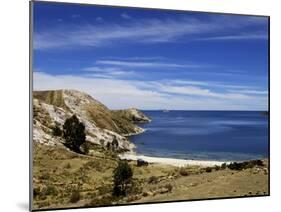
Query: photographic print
[135, 105]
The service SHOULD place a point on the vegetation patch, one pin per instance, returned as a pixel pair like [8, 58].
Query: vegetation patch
[74, 133]
[75, 196]
[122, 178]
[245, 165]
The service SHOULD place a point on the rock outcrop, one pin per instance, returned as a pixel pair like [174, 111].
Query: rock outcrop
[133, 115]
[103, 126]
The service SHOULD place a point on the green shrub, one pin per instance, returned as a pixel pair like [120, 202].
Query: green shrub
[74, 133]
[245, 165]
[49, 190]
[122, 178]
[45, 176]
[235, 166]
[183, 172]
[152, 180]
[114, 144]
[223, 166]
[217, 168]
[86, 147]
[57, 131]
[36, 192]
[75, 196]
[208, 169]
[67, 166]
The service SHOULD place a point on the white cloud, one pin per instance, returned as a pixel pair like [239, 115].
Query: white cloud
[212, 84]
[125, 16]
[107, 72]
[136, 58]
[75, 16]
[99, 19]
[258, 92]
[236, 37]
[142, 30]
[172, 88]
[118, 94]
[148, 64]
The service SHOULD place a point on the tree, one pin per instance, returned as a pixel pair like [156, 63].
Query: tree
[114, 143]
[74, 133]
[122, 177]
[57, 131]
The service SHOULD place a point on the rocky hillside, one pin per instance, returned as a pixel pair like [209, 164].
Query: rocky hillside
[52, 108]
[133, 114]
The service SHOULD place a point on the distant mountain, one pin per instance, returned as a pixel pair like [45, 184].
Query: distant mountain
[51, 108]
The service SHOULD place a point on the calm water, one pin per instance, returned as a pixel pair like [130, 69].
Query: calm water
[204, 135]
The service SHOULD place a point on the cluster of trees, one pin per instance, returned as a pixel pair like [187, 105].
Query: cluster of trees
[74, 134]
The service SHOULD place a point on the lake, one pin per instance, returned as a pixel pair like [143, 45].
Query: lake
[204, 135]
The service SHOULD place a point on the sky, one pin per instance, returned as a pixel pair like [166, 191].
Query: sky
[152, 59]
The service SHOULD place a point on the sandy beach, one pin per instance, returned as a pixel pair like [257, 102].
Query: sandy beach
[171, 161]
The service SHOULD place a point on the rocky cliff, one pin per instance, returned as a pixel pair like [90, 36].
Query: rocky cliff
[52, 108]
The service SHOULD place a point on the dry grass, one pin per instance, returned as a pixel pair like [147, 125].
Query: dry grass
[60, 175]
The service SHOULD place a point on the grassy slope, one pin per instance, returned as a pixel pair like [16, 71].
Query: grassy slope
[58, 173]
[54, 97]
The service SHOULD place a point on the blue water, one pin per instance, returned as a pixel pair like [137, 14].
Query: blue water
[204, 135]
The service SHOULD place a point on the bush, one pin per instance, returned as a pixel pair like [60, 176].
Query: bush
[169, 187]
[122, 178]
[45, 176]
[235, 166]
[209, 169]
[152, 180]
[67, 166]
[141, 162]
[86, 148]
[245, 165]
[57, 131]
[74, 133]
[114, 144]
[183, 172]
[49, 190]
[36, 192]
[75, 196]
[217, 168]
[223, 166]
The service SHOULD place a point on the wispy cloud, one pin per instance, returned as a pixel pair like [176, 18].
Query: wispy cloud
[117, 93]
[99, 19]
[198, 89]
[144, 64]
[107, 72]
[206, 83]
[75, 16]
[135, 58]
[256, 92]
[236, 37]
[125, 16]
[183, 29]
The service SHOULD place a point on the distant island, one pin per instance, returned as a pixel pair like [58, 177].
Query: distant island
[68, 173]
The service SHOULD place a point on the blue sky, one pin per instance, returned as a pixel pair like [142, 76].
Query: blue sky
[152, 59]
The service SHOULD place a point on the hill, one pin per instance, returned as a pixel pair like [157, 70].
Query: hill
[52, 108]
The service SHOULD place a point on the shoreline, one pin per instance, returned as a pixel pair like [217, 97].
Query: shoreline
[136, 133]
[171, 161]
